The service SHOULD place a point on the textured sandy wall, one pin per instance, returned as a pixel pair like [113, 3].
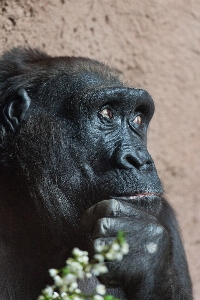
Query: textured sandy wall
[156, 45]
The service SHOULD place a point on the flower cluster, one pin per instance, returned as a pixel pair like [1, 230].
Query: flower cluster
[78, 267]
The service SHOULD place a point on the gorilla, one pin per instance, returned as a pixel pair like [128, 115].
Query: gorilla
[74, 171]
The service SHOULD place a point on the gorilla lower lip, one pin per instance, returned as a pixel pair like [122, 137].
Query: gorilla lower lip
[143, 195]
[148, 201]
[136, 196]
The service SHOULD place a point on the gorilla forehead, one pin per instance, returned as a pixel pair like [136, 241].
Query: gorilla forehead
[85, 71]
[72, 78]
[80, 81]
[77, 71]
[29, 68]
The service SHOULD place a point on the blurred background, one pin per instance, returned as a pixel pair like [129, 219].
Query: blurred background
[155, 46]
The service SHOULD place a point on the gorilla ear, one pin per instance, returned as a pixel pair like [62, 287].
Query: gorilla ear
[14, 112]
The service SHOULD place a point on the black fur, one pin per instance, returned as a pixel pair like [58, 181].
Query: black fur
[72, 146]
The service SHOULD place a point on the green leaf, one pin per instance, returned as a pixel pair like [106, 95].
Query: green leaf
[121, 237]
[109, 297]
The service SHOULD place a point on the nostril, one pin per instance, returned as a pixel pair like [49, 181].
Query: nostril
[146, 166]
[132, 160]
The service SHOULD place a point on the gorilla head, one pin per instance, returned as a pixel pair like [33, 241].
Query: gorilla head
[71, 135]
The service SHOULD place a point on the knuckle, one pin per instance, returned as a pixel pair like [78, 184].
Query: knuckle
[115, 208]
[110, 207]
[102, 226]
[105, 208]
[157, 238]
[155, 229]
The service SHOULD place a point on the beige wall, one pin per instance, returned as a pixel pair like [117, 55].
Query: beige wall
[155, 45]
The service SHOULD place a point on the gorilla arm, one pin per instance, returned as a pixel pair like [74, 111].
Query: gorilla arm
[155, 267]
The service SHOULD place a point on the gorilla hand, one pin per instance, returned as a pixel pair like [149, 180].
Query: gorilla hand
[148, 263]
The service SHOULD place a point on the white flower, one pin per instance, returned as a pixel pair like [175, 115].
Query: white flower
[101, 289]
[83, 259]
[58, 280]
[95, 272]
[99, 248]
[125, 248]
[64, 294]
[48, 291]
[98, 297]
[65, 298]
[78, 252]
[40, 298]
[73, 286]
[103, 269]
[110, 256]
[69, 261]
[88, 275]
[63, 288]
[53, 272]
[78, 291]
[69, 278]
[55, 295]
[115, 247]
[118, 256]
[77, 298]
[75, 266]
[88, 268]
[80, 274]
[99, 269]
[99, 257]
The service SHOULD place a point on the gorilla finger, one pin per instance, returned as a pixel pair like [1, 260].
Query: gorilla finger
[104, 227]
[105, 208]
[109, 227]
[109, 208]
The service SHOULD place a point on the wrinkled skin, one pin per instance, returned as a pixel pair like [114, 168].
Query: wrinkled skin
[74, 171]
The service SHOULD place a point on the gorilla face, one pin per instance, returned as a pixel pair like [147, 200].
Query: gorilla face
[113, 131]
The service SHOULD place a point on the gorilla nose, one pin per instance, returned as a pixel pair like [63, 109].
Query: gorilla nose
[133, 157]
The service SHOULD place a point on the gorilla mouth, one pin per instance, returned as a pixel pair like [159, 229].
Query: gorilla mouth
[137, 196]
[151, 202]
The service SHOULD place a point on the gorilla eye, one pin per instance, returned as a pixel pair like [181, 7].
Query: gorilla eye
[107, 113]
[138, 120]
